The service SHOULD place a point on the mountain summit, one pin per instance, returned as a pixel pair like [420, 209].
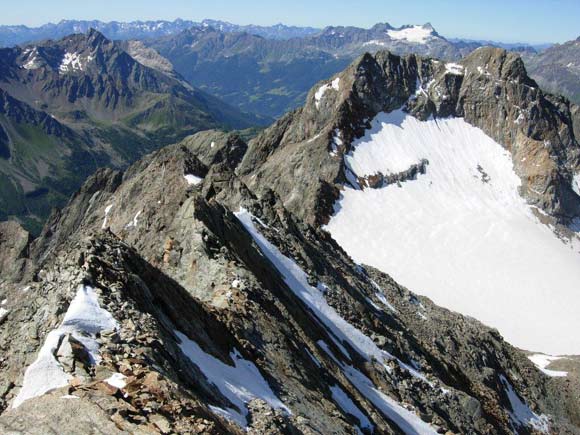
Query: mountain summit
[73, 105]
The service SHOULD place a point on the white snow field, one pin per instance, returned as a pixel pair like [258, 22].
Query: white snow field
[542, 361]
[240, 383]
[84, 319]
[460, 234]
[417, 34]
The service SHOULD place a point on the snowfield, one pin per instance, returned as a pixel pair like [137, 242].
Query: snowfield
[460, 233]
[417, 34]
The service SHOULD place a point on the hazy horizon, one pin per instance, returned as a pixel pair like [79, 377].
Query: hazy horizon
[519, 21]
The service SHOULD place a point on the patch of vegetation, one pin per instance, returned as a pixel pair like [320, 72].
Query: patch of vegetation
[32, 141]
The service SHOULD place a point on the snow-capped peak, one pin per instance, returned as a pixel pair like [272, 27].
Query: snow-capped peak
[417, 34]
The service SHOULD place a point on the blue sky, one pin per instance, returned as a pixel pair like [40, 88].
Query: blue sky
[505, 20]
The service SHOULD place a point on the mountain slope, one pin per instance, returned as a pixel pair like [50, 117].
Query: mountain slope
[247, 318]
[478, 247]
[83, 102]
[471, 179]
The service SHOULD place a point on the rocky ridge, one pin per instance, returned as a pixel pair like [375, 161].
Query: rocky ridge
[490, 89]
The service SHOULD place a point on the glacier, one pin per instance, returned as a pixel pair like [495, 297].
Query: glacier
[460, 233]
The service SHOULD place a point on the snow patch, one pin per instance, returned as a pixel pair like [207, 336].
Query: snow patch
[32, 61]
[406, 420]
[240, 383]
[380, 295]
[542, 361]
[576, 183]
[105, 220]
[372, 304]
[72, 61]
[84, 319]
[314, 138]
[417, 34]
[454, 68]
[483, 71]
[313, 358]
[193, 179]
[336, 142]
[349, 407]
[135, 221]
[463, 243]
[117, 380]
[422, 316]
[521, 414]
[335, 84]
[375, 42]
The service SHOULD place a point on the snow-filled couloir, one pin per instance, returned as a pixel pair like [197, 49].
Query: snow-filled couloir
[458, 231]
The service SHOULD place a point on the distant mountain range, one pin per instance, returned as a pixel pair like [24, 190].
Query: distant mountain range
[510, 46]
[276, 65]
[70, 106]
[270, 77]
[13, 35]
